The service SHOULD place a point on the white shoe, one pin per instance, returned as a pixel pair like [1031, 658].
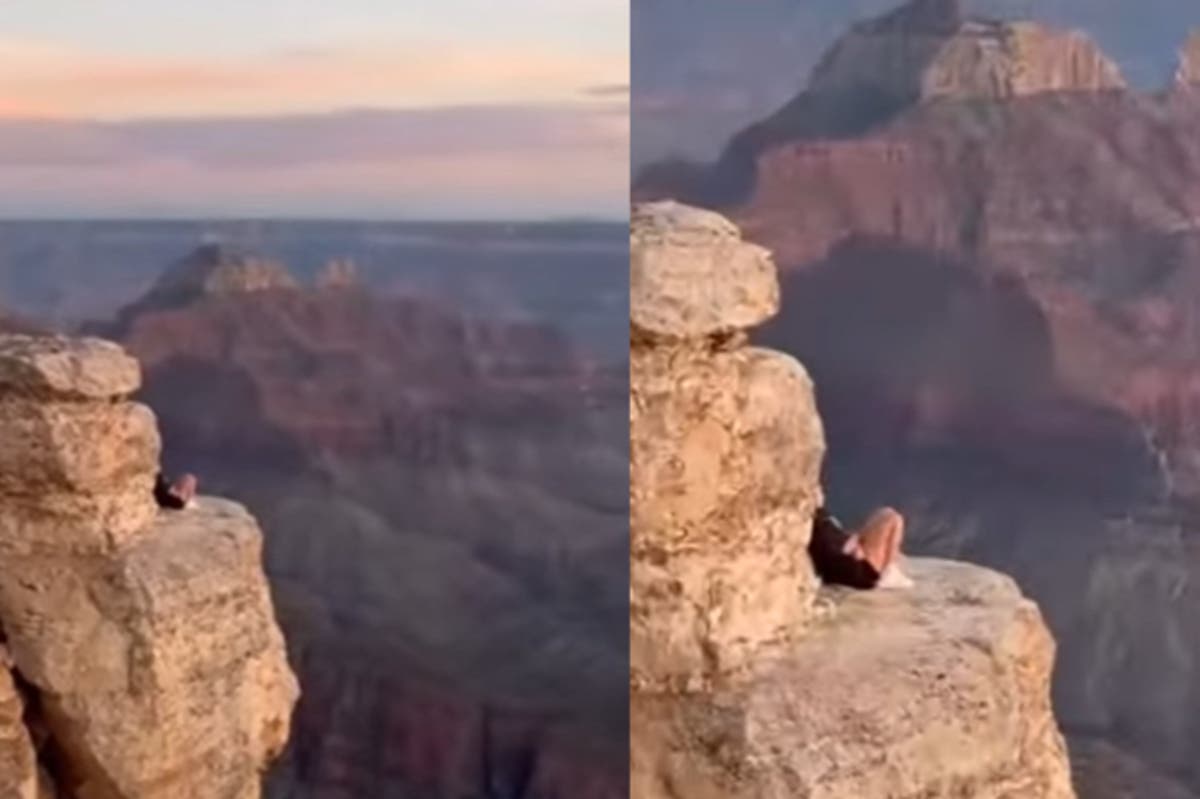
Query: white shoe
[893, 578]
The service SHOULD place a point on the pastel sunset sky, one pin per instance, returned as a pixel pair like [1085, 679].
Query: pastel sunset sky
[361, 108]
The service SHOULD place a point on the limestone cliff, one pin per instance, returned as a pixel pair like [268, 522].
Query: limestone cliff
[748, 680]
[144, 642]
[927, 49]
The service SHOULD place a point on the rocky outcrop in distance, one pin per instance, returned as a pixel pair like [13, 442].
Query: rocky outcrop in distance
[216, 269]
[338, 273]
[928, 49]
[143, 644]
[748, 679]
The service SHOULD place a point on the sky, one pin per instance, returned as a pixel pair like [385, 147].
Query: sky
[361, 108]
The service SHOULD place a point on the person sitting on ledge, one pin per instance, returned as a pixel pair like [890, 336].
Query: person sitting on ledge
[865, 559]
[177, 495]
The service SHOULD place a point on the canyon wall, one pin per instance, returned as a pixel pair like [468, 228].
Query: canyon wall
[748, 679]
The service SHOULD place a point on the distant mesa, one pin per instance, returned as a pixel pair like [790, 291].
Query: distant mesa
[217, 269]
[927, 49]
[338, 273]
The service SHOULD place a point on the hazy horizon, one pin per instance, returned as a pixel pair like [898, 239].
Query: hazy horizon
[363, 110]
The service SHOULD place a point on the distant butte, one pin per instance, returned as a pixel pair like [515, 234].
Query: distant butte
[218, 269]
[927, 49]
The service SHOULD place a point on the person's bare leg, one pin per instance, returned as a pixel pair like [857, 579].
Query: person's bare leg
[880, 537]
[185, 488]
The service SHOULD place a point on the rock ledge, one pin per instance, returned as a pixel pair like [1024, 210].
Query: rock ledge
[942, 691]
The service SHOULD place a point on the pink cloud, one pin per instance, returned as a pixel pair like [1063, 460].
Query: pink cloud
[484, 160]
[40, 80]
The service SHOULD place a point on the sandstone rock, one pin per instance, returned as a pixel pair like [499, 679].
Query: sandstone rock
[1187, 74]
[726, 449]
[936, 693]
[691, 275]
[18, 761]
[74, 446]
[66, 369]
[77, 467]
[725, 457]
[161, 671]
[927, 50]
[149, 638]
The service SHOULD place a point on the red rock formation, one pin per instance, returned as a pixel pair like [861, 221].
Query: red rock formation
[441, 496]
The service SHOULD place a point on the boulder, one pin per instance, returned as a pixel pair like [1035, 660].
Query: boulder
[692, 276]
[52, 367]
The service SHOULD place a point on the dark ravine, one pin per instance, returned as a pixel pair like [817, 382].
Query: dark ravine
[998, 302]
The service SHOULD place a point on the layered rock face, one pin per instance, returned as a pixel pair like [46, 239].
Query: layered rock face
[928, 49]
[746, 681]
[725, 451]
[19, 773]
[147, 640]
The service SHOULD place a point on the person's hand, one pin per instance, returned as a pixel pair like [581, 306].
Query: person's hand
[853, 548]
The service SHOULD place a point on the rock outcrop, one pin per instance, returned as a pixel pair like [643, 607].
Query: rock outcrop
[19, 774]
[725, 452]
[215, 269]
[147, 639]
[1187, 73]
[927, 49]
[746, 680]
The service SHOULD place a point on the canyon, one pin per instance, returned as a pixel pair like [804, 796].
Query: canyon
[440, 488]
[996, 297]
[444, 515]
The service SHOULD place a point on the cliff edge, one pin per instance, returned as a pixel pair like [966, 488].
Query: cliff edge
[748, 679]
[142, 657]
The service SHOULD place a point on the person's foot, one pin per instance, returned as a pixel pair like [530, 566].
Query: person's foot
[894, 578]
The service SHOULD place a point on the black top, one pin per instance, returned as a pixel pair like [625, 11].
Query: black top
[164, 496]
[832, 564]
